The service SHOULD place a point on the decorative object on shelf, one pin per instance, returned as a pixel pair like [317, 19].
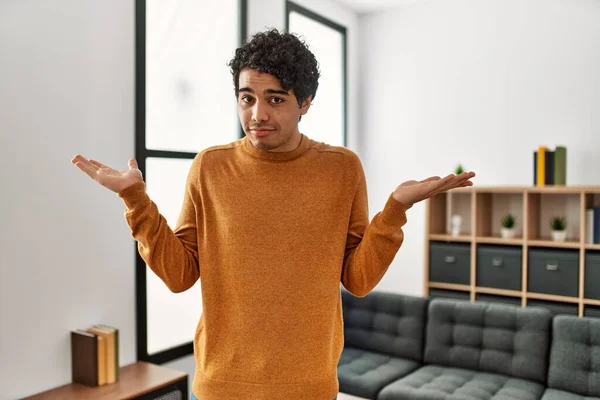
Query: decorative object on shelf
[559, 229]
[456, 224]
[592, 223]
[508, 226]
[459, 169]
[550, 166]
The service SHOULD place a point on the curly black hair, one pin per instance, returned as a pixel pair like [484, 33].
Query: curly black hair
[282, 55]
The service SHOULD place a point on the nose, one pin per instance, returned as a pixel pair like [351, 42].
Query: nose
[259, 112]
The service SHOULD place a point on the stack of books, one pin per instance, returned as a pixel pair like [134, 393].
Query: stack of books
[592, 224]
[550, 166]
[95, 355]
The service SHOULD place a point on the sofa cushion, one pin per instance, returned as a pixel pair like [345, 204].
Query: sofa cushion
[488, 337]
[575, 355]
[434, 382]
[553, 394]
[386, 323]
[363, 373]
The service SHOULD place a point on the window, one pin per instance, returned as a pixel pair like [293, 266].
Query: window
[326, 120]
[184, 104]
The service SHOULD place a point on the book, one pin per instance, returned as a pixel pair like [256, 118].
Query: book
[535, 155]
[113, 351]
[589, 225]
[560, 165]
[541, 165]
[549, 167]
[106, 354]
[84, 358]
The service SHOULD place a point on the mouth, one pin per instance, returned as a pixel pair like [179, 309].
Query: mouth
[261, 132]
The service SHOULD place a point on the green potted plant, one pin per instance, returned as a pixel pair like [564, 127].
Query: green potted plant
[558, 226]
[459, 169]
[508, 226]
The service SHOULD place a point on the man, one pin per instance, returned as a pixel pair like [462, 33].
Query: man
[270, 224]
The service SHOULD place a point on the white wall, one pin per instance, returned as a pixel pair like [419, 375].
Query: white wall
[475, 82]
[66, 256]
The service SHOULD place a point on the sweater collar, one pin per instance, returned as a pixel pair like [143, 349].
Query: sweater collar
[277, 156]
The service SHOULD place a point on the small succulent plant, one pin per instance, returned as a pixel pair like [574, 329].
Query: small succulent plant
[508, 221]
[558, 224]
[459, 169]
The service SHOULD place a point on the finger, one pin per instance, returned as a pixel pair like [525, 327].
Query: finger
[133, 163]
[80, 159]
[91, 172]
[431, 179]
[99, 164]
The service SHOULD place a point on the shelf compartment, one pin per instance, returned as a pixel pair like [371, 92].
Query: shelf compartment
[542, 207]
[591, 200]
[491, 209]
[499, 267]
[443, 206]
[450, 262]
[492, 298]
[553, 272]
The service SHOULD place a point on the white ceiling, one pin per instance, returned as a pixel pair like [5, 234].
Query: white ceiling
[366, 6]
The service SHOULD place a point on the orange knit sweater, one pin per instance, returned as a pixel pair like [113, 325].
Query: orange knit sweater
[270, 236]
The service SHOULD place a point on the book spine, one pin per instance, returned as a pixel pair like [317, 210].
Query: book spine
[560, 165]
[535, 157]
[541, 166]
[549, 168]
[589, 226]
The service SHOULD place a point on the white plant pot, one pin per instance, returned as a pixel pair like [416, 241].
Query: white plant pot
[559, 236]
[507, 233]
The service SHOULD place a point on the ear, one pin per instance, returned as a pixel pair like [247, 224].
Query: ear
[305, 105]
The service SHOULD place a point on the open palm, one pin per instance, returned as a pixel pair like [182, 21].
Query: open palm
[411, 192]
[109, 177]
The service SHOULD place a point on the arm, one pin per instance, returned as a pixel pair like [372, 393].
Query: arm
[371, 248]
[171, 254]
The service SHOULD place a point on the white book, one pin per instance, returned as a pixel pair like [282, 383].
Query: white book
[589, 226]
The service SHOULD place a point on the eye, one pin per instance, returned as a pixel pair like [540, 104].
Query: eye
[277, 100]
[246, 99]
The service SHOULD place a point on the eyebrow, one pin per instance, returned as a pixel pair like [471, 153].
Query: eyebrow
[267, 91]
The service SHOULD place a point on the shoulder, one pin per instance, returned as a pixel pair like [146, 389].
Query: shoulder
[342, 154]
[215, 152]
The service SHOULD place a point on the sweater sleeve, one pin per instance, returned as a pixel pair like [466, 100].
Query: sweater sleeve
[371, 247]
[171, 254]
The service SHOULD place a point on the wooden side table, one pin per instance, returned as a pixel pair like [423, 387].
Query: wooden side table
[139, 381]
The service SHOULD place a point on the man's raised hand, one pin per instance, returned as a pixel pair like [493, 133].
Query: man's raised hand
[411, 192]
[108, 177]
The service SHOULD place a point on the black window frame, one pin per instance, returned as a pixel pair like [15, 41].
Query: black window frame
[290, 6]
[141, 154]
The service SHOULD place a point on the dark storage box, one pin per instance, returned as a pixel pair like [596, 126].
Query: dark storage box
[592, 276]
[499, 267]
[553, 272]
[450, 263]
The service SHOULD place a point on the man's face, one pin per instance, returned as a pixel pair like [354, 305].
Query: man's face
[268, 114]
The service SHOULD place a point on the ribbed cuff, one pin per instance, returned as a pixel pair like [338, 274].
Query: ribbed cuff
[394, 212]
[134, 195]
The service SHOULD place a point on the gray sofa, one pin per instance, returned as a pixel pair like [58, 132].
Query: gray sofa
[403, 347]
